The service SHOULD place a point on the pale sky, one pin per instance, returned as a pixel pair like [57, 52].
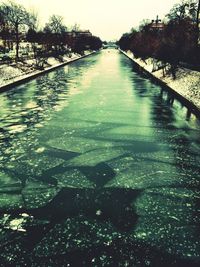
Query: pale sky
[108, 19]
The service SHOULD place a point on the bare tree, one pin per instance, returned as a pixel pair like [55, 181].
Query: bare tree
[32, 35]
[183, 10]
[17, 18]
[33, 21]
[55, 31]
[193, 10]
[144, 25]
[187, 9]
[56, 24]
[76, 27]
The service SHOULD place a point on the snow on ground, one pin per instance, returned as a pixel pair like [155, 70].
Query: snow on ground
[13, 72]
[53, 61]
[8, 73]
[66, 58]
[187, 82]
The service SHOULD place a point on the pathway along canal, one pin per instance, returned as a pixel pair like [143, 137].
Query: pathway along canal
[98, 168]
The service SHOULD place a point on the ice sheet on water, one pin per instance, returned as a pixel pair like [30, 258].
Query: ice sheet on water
[73, 178]
[77, 144]
[8, 183]
[161, 216]
[11, 201]
[130, 174]
[94, 157]
[36, 194]
[35, 164]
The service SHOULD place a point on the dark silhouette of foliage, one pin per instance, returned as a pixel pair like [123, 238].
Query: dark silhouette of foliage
[125, 41]
[174, 42]
[87, 43]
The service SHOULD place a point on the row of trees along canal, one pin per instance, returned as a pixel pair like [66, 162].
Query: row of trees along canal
[19, 25]
[174, 40]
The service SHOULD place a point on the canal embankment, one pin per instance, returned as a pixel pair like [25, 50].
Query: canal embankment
[15, 74]
[186, 85]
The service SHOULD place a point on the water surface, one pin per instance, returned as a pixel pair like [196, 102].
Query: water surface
[98, 168]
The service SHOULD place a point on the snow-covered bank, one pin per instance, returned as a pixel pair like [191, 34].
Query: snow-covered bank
[19, 72]
[186, 84]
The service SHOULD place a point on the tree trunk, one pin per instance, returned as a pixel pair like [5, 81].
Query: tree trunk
[17, 41]
[197, 24]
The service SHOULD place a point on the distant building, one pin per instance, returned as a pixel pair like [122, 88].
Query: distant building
[85, 33]
[76, 34]
[156, 25]
[73, 35]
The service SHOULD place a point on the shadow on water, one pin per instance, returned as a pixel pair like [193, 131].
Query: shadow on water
[106, 214]
[184, 141]
[162, 112]
[99, 174]
[84, 227]
[105, 205]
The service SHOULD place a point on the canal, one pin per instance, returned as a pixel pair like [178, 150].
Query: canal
[98, 168]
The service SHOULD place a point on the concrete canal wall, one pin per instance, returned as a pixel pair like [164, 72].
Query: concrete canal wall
[35, 73]
[186, 87]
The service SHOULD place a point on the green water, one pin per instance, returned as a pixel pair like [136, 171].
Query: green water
[98, 168]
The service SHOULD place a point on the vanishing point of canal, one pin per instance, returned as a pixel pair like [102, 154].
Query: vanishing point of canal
[98, 168]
